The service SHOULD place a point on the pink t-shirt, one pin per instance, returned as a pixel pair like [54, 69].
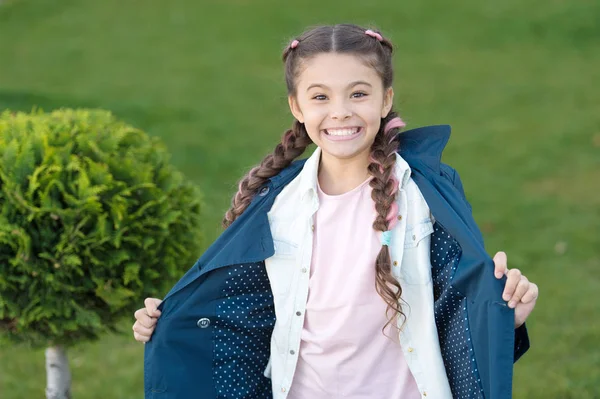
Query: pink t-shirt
[343, 352]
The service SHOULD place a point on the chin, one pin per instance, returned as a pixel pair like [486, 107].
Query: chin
[343, 154]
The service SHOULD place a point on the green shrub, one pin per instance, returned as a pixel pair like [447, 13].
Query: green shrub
[93, 218]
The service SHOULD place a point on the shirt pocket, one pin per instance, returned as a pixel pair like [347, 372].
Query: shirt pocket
[415, 233]
[416, 263]
[285, 249]
[282, 266]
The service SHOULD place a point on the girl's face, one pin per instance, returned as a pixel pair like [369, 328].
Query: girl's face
[341, 101]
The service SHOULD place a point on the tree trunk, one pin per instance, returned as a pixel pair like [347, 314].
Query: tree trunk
[58, 385]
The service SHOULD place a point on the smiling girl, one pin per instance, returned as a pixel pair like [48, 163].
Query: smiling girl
[356, 273]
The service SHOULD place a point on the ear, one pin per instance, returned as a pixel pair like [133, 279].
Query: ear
[388, 101]
[295, 109]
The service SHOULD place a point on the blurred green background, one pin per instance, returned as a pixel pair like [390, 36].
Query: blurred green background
[518, 81]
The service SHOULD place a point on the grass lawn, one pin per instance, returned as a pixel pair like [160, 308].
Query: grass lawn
[518, 81]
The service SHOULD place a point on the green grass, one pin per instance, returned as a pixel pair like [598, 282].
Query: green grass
[518, 81]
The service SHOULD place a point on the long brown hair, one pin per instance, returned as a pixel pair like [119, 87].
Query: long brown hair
[348, 39]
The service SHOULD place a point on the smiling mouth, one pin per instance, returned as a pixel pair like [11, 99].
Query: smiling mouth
[343, 132]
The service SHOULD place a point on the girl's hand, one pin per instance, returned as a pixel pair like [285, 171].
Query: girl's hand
[146, 319]
[519, 292]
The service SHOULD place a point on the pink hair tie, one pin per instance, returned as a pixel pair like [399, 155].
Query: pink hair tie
[394, 123]
[392, 216]
[294, 44]
[374, 34]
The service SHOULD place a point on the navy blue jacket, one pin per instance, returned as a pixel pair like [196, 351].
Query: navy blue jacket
[212, 340]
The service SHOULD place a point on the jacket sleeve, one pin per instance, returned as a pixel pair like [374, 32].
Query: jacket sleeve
[521, 335]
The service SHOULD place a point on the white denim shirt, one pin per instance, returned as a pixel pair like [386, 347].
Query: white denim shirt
[292, 222]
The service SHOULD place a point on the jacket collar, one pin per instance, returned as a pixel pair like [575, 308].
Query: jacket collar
[425, 145]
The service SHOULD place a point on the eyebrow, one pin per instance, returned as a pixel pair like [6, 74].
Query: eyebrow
[358, 82]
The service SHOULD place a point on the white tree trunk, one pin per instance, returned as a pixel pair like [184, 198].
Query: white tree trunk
[58, 385]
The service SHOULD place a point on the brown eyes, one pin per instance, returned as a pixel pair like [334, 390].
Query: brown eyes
[356, 94]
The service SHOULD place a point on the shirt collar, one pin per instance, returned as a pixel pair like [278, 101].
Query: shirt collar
[310, 173]
[402, 171]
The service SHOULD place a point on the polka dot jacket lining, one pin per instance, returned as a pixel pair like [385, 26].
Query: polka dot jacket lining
[245, 319]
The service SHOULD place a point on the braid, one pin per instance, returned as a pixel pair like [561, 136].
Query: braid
[293, 144]
[385, 188]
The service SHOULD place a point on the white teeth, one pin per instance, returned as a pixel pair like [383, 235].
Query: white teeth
[341, 132]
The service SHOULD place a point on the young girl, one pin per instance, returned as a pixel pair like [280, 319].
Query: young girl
[357, 273]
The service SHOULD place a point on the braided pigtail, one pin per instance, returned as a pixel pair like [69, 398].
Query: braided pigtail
[385, 188]
[293, 144]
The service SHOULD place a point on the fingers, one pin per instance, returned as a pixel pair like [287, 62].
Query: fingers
[140, 338]
[146, 319]
[139, 331]
[152, 306]
[513, 278]
[141, 315]
[500, 263]
[531, 294]
[144, 326]
[520, 290]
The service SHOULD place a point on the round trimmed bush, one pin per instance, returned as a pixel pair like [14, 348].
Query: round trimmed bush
[93, 218]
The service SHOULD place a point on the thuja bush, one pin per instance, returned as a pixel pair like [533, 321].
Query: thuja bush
[93, 218]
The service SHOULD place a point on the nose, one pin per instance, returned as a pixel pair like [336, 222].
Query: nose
[340, 111]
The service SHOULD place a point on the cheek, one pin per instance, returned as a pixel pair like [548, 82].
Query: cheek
[314, 117]
[370, 110]
[376, 125]
[373, 117]
[313, 132]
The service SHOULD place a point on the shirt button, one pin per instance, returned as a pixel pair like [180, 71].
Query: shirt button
[292, 352]
[298, 313]
[203, 322]
[263, 191]
[424, 393]
[399, 217]
[395, 263]
[304, 270]
[414, 238]
[312, 227]
[410, 349]
[282, 389]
